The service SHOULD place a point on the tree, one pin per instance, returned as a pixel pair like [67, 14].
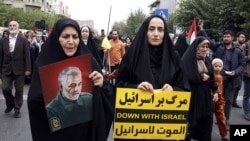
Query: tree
[217, 15]
[134, 21]
[243, 7]
[26, 19]
[121, 27]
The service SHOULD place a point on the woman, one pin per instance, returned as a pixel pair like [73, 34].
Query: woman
[63, 43]
[151, 62]
[6, 33]
[199, 70]
[127, 43]
[181, 44]
[90, 43]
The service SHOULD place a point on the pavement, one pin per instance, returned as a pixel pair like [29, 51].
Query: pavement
[18, 129]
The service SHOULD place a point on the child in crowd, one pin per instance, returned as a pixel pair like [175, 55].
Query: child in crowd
[220, 104]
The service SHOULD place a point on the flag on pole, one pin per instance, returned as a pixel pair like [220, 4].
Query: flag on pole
[192, 34]
[105, 43]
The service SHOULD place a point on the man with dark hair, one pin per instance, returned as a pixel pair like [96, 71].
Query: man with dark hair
[116, 51]
[234, 64]
[240, 41]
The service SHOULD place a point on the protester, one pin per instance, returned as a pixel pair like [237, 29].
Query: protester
[246, 80]
[116, 52]
[181, 44]
[220, 104]
[233, 67]
[6, 33]
[90, 43]
[14, 66]
[199, 70]
[151, 62]
[240, 42]
[34, 51]
[64, 43]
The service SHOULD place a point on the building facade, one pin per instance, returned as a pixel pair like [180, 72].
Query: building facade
[48, 6]
[171, 5]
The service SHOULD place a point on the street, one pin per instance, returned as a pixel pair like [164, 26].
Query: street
[18, 129]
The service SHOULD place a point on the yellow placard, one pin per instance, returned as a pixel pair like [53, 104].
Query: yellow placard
[150, 131]
[144, 115]
[159, 100]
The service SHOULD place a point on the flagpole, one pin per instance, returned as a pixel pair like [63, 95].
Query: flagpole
[108, 55]
[109, 19]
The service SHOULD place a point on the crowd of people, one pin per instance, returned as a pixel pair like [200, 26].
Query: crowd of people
[212, 73]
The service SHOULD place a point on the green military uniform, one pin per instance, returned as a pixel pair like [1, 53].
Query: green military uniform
[62, 114]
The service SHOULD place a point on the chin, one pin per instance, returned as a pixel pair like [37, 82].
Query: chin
[69, 54]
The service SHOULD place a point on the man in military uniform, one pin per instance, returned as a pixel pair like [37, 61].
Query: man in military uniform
[70, 106]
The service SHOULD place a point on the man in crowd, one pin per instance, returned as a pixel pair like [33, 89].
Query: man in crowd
[15, 64]
[234, 63]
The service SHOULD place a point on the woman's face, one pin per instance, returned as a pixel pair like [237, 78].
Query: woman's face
[69, 40]
[203, 49]
[85, 33]
[155, 32]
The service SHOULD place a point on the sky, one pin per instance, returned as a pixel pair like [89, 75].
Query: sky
[98, 10]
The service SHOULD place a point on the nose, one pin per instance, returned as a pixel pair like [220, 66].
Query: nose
[71, 39]
[76, 88]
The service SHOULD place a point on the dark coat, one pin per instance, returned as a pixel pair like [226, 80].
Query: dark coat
[18, 61]
[201, 103]
[157, 65]
[237, 62]
[95, 130]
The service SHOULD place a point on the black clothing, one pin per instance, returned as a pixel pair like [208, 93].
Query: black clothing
[93, 47]
[95, 130]
[181, 45]
[201, 104]
[157, 65]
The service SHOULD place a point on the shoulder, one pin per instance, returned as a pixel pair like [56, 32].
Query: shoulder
[19, 36]
[85, 95]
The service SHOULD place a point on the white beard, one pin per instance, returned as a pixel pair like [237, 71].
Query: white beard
[13, 31]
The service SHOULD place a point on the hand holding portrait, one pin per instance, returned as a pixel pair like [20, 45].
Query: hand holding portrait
[96, 78]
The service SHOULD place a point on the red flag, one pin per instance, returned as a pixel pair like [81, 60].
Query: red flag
[12, 18]
[192, 34]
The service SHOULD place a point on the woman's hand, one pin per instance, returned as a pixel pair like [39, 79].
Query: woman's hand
[146, 86]
[205, 77]
[96, 78]
[167, 87]
[215, 97]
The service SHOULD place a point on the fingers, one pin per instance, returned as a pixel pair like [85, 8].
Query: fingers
[167, 87]
[146, 86]
[96, 78]
[215, 97]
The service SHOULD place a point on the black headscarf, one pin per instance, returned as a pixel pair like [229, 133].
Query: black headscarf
[189, 60]
[93, 47]
[181, 44]
[6, 31]
[52, 52]
[156, 64]
[137, 64]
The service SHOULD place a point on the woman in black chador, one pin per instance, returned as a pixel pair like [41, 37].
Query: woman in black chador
[151, 61]
[63, 43]
[199, 70]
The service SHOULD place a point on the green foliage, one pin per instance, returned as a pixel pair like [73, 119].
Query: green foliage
[134, 21]
[26, 19]
[121, 27]
[217, 15]
[132, 24]
[244, 11]
[171, 21]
